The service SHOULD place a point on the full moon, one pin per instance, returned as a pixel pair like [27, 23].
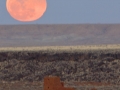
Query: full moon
[26, 10]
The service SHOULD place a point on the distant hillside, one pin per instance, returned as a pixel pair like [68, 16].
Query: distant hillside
[48, 35]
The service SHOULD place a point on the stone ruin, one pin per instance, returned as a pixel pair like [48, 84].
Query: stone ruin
[54, 83]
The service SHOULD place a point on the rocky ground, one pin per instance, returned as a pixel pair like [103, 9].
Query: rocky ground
[39, 86]
[102, 66]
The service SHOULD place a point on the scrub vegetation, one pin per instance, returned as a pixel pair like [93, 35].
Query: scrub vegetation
[82, 67]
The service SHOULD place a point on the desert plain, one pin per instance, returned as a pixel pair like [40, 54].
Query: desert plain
[82, 67]
[83, 56]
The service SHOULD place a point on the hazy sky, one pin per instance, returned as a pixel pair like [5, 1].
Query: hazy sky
[71, 12]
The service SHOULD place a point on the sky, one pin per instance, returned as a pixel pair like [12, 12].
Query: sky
[71, 12]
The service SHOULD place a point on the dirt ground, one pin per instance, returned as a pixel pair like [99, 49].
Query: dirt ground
[39, 86]
[74, 65]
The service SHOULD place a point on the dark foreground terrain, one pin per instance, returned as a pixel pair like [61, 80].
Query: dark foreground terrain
[85, 69]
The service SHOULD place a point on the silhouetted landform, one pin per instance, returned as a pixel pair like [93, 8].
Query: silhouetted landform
[59, 35]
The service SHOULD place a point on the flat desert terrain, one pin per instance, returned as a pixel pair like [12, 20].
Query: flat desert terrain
[64, 48]
[83, 67]
[59, 35]
[84, 56]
